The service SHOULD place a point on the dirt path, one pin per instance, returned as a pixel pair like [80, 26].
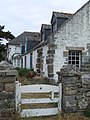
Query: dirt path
[42, 118]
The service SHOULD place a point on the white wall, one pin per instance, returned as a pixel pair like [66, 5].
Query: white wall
[12, 49]
[45, 49]
[28, 61]
[74, 33]
[34, 58]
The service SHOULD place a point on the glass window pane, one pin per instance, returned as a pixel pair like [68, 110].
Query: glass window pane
[73, 58]
[69, 52]
[77, 62]
[77, 58]
[69, 57]
[73, 62]
[69, 62]
[73, 53]
[77, 53]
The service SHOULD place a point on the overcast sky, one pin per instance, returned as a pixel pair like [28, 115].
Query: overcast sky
[28, 15]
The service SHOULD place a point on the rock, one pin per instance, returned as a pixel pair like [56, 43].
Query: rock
[70, 70]
[70, 80]
[5, 64]
[88, 94]
[69, 101]
[6, 95]
[85, 79]
[82, 103]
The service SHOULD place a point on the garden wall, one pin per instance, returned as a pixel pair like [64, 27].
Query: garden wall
[75, 89]
[7, 91]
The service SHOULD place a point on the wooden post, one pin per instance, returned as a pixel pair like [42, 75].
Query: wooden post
[60, 97]
[52, 95]
[18, 95]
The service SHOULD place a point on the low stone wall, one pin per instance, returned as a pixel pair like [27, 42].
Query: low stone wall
[75, 89]
[7, 91]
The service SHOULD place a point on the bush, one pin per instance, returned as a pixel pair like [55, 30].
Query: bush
[17, 68]
[22, 71]
[31, 74]
[87, 111]
[28, 73]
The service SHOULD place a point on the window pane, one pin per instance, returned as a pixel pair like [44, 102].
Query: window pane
[69, 62]
[77, 58]
[77, 53]
[69, 52]
[73, 62]
[77, 62]
[18, 62]
[14, 62]
[73, 58]
[69, 58]
[73, 53]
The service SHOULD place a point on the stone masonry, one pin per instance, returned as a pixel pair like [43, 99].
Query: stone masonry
[7, 90]
[74, 34]
[75, 89]
[50, 60]
[39, 64]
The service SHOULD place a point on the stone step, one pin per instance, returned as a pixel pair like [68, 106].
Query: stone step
[85, 65]
[85, 69]
[84, 72]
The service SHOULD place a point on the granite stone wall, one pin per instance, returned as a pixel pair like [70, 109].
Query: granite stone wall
[75, 89]
[7, 90]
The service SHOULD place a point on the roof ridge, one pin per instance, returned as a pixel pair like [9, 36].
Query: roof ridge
[62, 12]
[22, 37]
[46, 24]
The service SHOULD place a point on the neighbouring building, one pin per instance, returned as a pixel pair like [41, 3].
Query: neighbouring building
[19, 45]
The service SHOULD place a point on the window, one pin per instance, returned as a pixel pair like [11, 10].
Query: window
[74, 58]
[18, 62]
[14, 62]
[25, 60]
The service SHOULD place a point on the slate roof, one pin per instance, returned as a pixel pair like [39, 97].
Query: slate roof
[32, 44]
[30, 36]
[62, 15]
[40, 45]
[46, 26]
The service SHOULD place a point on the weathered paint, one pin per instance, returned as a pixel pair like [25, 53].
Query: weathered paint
[73, 33]
[38, 88]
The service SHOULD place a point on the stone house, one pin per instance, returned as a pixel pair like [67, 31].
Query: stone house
[65, 41]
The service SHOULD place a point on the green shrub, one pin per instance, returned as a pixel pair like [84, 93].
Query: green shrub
[28, 73]
[17, 68]
[23, 72]
[87, 111]
[31, 69]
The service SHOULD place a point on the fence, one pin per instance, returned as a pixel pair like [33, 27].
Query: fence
[38, 88]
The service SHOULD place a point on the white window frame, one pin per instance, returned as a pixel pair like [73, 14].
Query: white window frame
[73, 54]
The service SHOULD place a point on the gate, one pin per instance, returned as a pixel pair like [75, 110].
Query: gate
[38, 88]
